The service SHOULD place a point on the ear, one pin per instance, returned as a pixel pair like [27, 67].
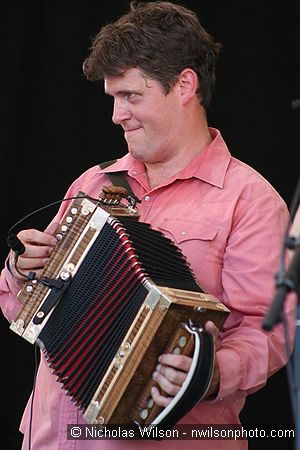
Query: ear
[188, 84]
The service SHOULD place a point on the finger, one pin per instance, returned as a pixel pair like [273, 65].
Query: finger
[174, 376]
[30, 264]
[38, 273]
[26, 265]
[168, 387]
[180, 362]
[159, 399]
[36, 237]
[36, 251]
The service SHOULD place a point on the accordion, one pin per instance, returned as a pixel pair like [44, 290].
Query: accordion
[114, 295]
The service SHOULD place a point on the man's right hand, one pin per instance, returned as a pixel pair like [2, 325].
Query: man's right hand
[38, 247]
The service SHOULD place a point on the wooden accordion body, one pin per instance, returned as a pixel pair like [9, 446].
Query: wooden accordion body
[114, 295]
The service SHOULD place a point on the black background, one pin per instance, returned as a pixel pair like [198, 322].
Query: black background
[55, 124]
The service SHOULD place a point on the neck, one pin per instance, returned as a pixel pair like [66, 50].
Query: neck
[160, 171]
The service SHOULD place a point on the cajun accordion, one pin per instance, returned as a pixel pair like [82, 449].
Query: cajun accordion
[114, 295]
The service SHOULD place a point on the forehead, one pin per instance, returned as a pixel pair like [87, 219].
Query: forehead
[131, 79]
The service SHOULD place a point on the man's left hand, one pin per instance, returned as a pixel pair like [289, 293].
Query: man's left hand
[172, 370]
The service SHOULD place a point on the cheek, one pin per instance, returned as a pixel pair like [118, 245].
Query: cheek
[160, 119]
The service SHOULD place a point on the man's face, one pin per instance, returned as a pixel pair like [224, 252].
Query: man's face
[148, 116]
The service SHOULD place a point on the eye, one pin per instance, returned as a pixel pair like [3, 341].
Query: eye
[130, 95]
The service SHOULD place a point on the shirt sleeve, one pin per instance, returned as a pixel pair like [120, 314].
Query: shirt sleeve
[248, 355]
[9, 288]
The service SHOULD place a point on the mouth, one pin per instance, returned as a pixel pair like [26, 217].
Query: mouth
[129, 130]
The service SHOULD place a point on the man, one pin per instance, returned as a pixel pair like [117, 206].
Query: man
[158, 65]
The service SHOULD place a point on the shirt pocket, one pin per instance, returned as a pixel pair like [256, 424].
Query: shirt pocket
[181, 230]
[194, 238]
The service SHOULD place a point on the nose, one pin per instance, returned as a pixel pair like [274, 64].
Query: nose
[120, 112]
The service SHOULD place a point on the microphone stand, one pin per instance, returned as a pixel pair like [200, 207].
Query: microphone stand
[285, 283]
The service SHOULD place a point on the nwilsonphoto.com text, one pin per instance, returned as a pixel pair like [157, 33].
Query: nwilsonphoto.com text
[192, 432]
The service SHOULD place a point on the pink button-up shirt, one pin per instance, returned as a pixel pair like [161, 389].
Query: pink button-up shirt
[230, 223]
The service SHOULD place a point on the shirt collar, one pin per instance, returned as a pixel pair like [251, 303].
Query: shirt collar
[126, 164]
[209, 166]
[212, 162]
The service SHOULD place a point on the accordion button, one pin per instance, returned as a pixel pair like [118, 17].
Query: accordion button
[65, 275]
[69, 219]
[100, 420]
[74, 210]
[147, 198]
[182, 341]
[150, 402]
[144, 414]
[176, 351]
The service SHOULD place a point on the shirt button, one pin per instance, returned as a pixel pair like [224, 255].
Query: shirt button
[183, 233]
[147, 198]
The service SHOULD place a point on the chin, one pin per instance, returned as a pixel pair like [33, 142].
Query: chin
[138, 154]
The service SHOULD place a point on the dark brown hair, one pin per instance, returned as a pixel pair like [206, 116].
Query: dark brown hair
[161, 39]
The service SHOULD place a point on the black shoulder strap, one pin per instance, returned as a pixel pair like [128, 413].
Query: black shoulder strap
[118, 178]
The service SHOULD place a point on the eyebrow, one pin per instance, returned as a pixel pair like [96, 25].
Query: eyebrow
[121, 91]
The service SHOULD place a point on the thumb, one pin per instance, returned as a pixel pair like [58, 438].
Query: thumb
[51, 228]
[211, 328]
